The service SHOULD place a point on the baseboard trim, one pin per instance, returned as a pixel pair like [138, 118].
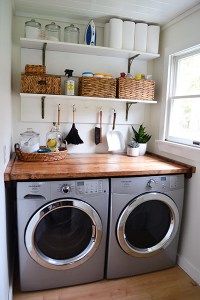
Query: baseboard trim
[191, 270]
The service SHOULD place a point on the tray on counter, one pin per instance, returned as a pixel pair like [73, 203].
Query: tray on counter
[40, 157]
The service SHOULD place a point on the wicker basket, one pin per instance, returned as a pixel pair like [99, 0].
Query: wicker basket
[40, 157]
[35, 70]
[41, 84]
[129, 88]
[97, 87]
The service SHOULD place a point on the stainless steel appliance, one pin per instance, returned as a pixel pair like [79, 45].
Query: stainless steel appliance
[144, 224]
[62, 228]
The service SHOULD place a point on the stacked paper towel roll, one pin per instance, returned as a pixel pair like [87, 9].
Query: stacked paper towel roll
[106, 35]
[153, 38]
[128, 35]
[141, 37]
[116, 28]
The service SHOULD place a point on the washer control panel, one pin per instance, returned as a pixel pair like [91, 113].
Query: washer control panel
[89, 186]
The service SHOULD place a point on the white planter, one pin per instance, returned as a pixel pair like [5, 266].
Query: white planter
[142, 149]
[132, 151]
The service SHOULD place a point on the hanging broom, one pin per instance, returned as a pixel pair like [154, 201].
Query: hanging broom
[73, 136]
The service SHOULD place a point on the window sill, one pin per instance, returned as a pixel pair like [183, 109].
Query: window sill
[185, 151]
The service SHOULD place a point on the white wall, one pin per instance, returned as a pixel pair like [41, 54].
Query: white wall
[181, 35]
[86, 117]
[5, 133]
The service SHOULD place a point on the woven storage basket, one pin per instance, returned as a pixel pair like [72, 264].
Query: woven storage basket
[97, 87]
[41, 84]
[41, 157]
[129, 88]
[35, 69]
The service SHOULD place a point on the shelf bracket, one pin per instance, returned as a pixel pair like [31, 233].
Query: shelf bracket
[44, 53]
[128, 106]
[42, 106]
[130, 60]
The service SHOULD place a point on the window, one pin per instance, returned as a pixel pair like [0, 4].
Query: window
[183, 120]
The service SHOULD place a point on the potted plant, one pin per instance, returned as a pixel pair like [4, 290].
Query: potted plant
[133, 149]
[141, 137]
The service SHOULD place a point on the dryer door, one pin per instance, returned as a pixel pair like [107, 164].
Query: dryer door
[63, 234]
[147, 224]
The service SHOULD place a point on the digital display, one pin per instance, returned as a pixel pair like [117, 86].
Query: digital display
[80, 183]
[163, 178]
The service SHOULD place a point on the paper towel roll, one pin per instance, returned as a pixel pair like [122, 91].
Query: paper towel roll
[116, 27]
[153, 38]
[128, 35]
[106, 34]
[141, 37]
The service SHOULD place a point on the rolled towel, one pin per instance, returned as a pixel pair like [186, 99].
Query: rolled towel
[153, 38]
[141, 37]
[128, 35]
[106, 34]
[116, 27]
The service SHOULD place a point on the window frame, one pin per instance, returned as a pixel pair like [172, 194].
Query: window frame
[173, 60]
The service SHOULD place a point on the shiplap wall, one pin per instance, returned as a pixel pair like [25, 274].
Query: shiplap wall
[27, 112]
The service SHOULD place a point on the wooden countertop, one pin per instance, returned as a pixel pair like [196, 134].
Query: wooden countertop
[95, 166]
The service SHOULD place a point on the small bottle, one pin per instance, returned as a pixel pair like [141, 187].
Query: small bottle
[69, 85]
[54, 138]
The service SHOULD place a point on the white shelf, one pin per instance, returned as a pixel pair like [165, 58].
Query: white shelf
[85, 49]
[28, 95]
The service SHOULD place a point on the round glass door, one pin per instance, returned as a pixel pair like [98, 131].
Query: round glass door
[147, 224]
[63, 234]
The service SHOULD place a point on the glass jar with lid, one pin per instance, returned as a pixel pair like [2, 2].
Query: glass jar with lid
[29, 141]
[54, 138]
[71, 34]
[52, 32]
[32, 29]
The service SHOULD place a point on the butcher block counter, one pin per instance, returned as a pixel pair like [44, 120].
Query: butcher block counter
[95, 166]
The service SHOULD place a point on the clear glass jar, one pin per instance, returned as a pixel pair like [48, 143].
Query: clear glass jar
[32, 29]
[71, 34]
[29, 141]
[52, 32]
[54, 138]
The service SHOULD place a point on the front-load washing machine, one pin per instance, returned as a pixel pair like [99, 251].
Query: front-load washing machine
[62, 228]
[144, 224]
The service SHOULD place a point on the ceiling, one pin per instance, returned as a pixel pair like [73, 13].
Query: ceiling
[152, 11]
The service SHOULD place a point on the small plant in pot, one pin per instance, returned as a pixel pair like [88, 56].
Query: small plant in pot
[133, 149]
[141, 137]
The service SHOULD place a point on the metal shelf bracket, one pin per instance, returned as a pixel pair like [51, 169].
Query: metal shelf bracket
[44, 53]
[42, 106]
[128, 106]
[130, 60]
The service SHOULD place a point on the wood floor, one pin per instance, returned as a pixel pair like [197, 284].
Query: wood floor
[171, 284]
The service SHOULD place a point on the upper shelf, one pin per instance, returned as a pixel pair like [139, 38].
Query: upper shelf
[85, 49]
[27, 95]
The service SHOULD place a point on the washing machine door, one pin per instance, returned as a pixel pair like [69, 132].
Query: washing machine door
[63, 234]
[147, 224]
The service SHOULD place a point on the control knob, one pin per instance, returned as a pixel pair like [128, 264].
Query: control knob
[151, 184]
[65, 189]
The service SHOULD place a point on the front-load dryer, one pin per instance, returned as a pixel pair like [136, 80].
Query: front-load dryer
[62, 228]
[144, 224]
